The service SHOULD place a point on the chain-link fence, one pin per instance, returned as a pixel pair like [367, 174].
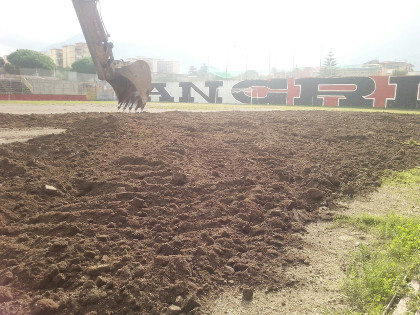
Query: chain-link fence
[55, 82]
[64, 82]
[68, 83]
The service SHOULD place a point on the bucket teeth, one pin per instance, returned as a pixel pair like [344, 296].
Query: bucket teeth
[132, 84]
[130, 101]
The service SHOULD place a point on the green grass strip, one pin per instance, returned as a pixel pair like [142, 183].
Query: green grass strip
[406, 178]
[379, 271]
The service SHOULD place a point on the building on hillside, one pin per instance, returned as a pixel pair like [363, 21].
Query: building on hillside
[71, 53]
[413, 73]
[152, 62]
[64, 58]
[168, 66]
[375, 68]
[305, 72]
[391, 67]
[56, 55]
[365, 70]
[161, 66]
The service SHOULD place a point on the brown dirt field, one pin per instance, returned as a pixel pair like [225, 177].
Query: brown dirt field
[153, 209]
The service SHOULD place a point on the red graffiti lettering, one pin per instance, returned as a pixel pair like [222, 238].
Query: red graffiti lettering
[383, 91]
[418, 93]
[334, 100]
[293, 91]
[331, 100]
[337, 87]
[260, 91]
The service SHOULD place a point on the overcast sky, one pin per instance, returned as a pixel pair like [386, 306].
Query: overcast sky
[231, 33]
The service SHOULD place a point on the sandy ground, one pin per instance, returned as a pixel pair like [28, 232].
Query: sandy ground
[328, 248]
[8, 135]
[60, 108]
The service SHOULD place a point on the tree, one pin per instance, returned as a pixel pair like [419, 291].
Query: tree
[203, 70]
[329, 68]
[192, 70]
[410, 67]
[1, 62]
[12, 69]
[274, 73]
[251, 75]
[25, 58]
[399, 72]
[84, 65]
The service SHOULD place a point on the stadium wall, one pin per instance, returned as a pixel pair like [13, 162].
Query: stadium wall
[374, 91]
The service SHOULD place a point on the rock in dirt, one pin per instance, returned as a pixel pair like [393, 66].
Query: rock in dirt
[240, 266]
[138, 203]
[111, 225]
[173, 310]
[315, 193]
[247, 294]
[102, 238]
[97, 270]
[59, 279]
[276, 212]
[335, 180]
[190, 304]
[58, 245]
[179, 300]
[5, 295]
[92, 296]
[229, 270]
[179, 179]
[6, 278]
[349, 190]
[44, 307]
[50, 190]
[100, 281]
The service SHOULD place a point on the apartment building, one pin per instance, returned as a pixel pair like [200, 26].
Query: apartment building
[161, 66]
[168, 66]
[57, 56]
[71, 53]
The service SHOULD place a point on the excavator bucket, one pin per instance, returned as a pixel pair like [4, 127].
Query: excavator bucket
[132, 84]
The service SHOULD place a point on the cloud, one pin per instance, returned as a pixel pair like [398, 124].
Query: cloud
[15, 41]
[235, 33]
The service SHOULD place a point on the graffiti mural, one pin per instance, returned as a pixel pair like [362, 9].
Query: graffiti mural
[375, 91]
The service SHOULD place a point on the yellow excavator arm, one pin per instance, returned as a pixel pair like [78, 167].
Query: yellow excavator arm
[131, 81]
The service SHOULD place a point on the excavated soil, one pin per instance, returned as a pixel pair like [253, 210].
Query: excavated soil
[134, 214]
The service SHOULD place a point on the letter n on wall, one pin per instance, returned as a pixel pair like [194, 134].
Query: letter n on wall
[212, 97]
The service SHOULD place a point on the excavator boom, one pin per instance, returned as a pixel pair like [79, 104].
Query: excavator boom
[131, 81]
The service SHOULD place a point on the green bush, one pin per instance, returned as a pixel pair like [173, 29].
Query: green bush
[25, 58]
[397, 72]
[1, 62]
[84, 65]
[12, 69]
